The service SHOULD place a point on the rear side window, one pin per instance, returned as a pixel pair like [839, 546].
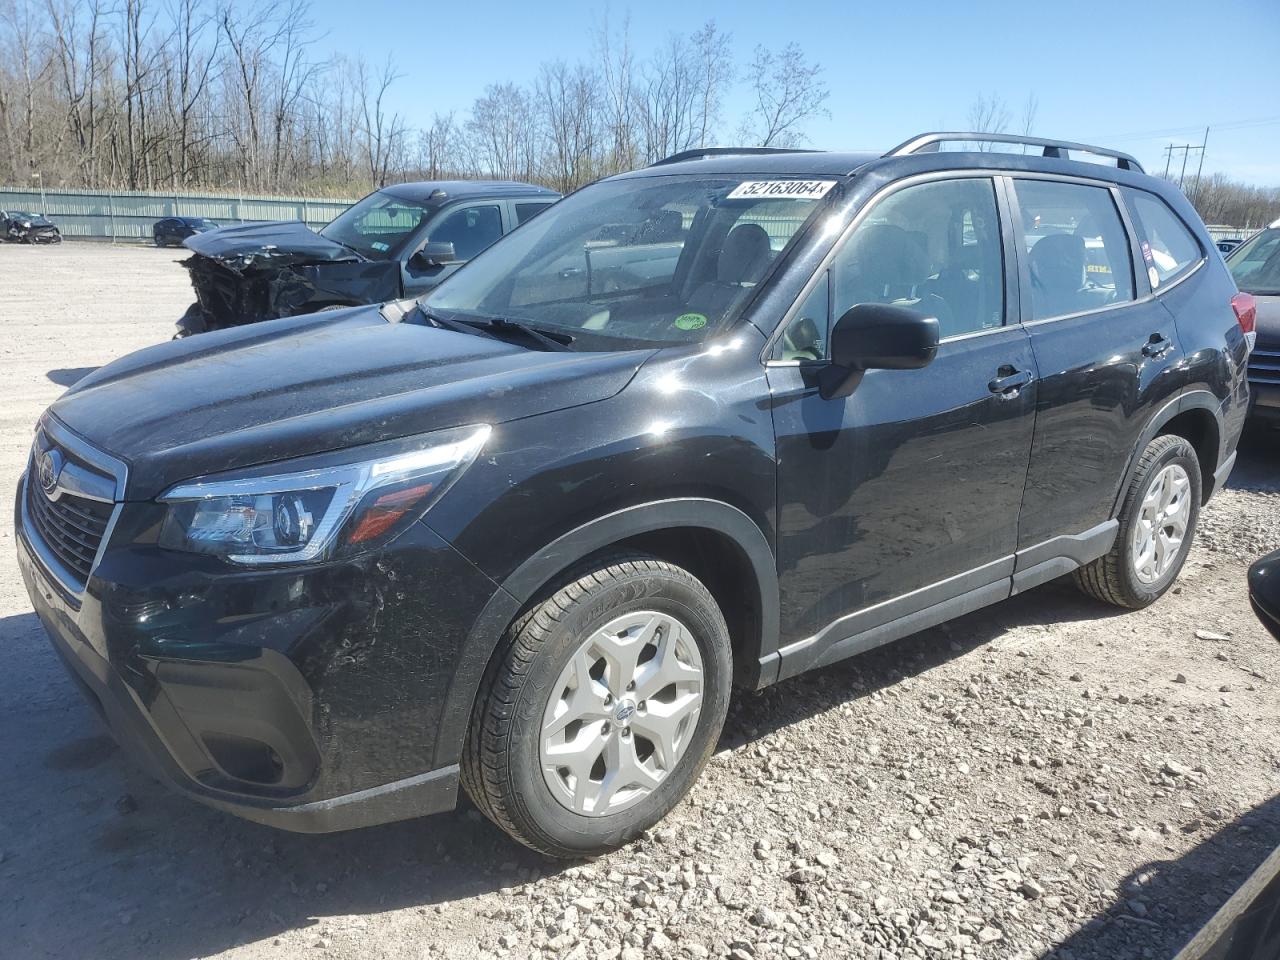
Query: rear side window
[1169, 248]
[1076, 246]
[527, 211]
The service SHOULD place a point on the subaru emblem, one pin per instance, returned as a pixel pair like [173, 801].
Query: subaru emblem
[48, 469]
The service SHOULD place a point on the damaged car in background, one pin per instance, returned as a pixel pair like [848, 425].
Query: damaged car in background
[19, 226]
[397, 242]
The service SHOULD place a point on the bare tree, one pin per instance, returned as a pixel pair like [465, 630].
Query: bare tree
[382, 134]
[1027, 122]
[440, 148]
[18, 114]
[504, 132]
[571, 108]
[194, 46]
[788, 90]
[714, 74]
[668, 101]
[618, 82]
[988, 114]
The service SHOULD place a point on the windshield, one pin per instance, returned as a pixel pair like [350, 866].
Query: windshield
[21, 215]
[378, 227]
[643, 261]
[1255, 264]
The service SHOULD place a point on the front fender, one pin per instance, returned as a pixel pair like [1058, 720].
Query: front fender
[546, 564]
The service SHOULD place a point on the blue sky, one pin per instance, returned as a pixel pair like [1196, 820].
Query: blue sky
[1136, 76]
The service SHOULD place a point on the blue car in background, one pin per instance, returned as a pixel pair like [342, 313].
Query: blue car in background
[171, 231]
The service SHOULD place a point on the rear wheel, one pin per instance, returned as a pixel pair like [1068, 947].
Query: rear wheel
[601, 708]
[1157, 524]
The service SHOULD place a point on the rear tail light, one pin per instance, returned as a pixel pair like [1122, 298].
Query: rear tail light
[1246, 315]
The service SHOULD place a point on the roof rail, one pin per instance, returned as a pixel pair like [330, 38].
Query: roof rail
[931, 143]
[701, 153]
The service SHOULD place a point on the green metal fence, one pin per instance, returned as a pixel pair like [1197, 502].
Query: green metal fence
[128, 215]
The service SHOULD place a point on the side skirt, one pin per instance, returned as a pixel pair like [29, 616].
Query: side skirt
[937, 603]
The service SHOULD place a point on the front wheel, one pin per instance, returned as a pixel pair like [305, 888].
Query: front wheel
[1157, 523]
[601, 708]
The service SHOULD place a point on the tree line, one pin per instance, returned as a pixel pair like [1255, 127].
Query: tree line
[232, 95]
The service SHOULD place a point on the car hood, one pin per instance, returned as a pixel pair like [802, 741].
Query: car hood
[284, 241]
[304, 385]
[1268, 322]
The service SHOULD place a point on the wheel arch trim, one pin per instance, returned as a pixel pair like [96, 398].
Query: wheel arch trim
[1194, 399]
[544, 565]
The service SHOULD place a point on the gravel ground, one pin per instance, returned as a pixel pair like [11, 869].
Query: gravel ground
[1046, 777]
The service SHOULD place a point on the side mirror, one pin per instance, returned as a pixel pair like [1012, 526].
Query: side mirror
[876, 336]
[435, 254]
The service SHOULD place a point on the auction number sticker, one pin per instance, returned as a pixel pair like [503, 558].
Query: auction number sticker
[782, 189]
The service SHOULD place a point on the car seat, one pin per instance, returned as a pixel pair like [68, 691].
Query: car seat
[1056, 265]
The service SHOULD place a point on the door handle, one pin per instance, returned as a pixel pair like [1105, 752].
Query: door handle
[1157, 346]
[1009, 382]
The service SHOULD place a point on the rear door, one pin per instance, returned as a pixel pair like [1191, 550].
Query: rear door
[906, 493]
[525, 210]
[1106, 350]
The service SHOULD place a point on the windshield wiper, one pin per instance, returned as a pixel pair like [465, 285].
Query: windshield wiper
[491, 327]
[551, 340]
[457, 326]
[347, 245]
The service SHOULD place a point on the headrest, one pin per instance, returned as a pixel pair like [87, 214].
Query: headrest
[745, 254]
[886, 256]
[1057, 263]
[662, 227]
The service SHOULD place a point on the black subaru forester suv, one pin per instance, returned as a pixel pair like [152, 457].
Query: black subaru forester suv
[719, 421]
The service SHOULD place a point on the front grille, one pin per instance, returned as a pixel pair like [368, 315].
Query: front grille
[1264, 367]
[66, 522]
[71, 527]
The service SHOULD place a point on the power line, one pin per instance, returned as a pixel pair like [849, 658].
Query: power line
[1174, 131]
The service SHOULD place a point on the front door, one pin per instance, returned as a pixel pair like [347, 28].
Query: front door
[906, 493]
[469, 228]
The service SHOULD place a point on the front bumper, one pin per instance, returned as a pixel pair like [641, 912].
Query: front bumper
[1264, 381]
[1264, 401]
[306, 699]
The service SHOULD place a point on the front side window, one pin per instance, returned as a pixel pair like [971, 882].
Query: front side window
[934, 247]
[1169, 249]
[638, 261]
[378, 227]
[1077, 249]
[469, 229]
[1255, 264]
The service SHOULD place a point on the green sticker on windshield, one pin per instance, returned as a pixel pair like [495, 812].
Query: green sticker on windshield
[691, 321]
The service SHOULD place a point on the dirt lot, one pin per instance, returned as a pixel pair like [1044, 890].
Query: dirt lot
[1047, 777]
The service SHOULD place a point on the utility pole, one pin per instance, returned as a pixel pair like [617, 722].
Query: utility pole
[1200, 169]
[1186, 149]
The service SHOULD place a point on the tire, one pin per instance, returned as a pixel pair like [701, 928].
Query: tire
[192, 322]
[1116, 577]
[503, 760]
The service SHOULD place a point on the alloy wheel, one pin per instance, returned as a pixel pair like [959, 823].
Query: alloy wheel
[622, 713]
[1161, 524]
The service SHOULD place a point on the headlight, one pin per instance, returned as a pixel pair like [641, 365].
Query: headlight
[296, 517]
